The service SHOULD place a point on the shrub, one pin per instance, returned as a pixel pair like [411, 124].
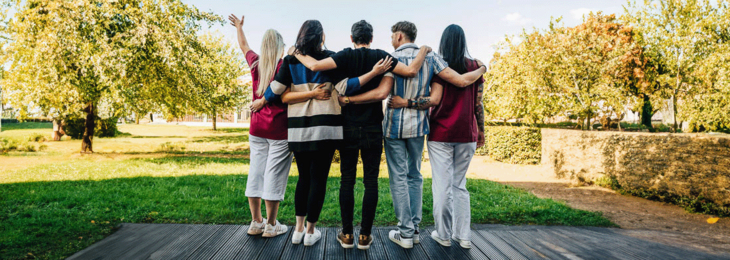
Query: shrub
[171, 147]
[74, 127]
[518, 145]
[27, 147]
[37, 137]
[7, 145]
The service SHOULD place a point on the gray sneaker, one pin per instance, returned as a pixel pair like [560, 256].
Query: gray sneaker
[256, 228]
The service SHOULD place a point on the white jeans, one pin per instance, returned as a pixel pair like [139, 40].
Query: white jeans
[451, 206]
[269, 171]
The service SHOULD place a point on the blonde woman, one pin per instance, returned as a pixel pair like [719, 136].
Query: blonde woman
[270, 155]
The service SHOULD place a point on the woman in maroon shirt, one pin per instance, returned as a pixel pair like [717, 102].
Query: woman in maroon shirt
[270, 156]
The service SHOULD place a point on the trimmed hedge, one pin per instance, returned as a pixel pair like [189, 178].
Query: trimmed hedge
[517, 145]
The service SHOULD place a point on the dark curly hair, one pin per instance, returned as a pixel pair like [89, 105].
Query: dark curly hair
[309, 39]
[362, 32]
[407, 28]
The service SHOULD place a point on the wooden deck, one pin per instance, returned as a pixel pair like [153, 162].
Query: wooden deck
[177, 241]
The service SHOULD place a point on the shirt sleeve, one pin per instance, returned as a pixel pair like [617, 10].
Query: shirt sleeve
[281, 82]
[341, 58]
[384, 55]
[438, 63]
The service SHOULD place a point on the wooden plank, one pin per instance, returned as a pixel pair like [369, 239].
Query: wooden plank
[528, 237]
[253, 248]
[567, 247]
[331, 249]
[481, 244]
[130, 242]
[503, 247]
[417, 252]
[151, 242]
[393, 250]
[645, 249]
[234, 245]
[520, 246]
[274, 246]
[291, 251]
[214, 243]
[95, 250]
[620, 247]
[431, 247]
[185, 245]
[176, 245]
[377, 250]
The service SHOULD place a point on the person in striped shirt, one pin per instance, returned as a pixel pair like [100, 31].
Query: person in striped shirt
[404, 129]
[314, 122]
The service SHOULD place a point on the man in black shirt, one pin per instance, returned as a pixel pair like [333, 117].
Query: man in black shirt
[363, 132]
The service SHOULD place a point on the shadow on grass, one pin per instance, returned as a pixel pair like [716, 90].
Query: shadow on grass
[221, 139]
[57, 218]
[231, 130]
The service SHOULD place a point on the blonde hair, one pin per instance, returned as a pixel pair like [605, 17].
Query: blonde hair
[272, 48]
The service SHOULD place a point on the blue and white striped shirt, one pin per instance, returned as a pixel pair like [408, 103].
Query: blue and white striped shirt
[403, 123]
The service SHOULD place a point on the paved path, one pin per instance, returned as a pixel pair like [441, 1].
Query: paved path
[178, 241]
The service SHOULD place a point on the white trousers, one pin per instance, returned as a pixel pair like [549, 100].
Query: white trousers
[269, 171]
[451, 206]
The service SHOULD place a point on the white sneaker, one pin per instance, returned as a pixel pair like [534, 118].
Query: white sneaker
[416, 237]
[297, 237]
[311, 239]
[394, 236]
[435, 236]
[256, 228]
[272, 231]
[466, 244]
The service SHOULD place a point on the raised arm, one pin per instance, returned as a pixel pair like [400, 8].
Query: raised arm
[242, 42]
[420, 103]
[479, 114]
[353, 84]
[316, 65]
[412, 69]
[462, 80]
[376, 95]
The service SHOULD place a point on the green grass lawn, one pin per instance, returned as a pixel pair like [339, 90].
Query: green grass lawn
[55, 203]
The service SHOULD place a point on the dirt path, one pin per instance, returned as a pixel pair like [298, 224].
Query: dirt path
[641, 218]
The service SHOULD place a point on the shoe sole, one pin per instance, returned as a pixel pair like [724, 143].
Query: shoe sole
[255, 233]
[400, 244]
[345, 246]
[311, 244]
[267, 235]
[441, 242]
[361, 247]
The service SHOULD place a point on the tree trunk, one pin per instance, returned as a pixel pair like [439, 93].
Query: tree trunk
[152, 118]
[215, 120]
[674, 108]
[87, 139]
[58, 131]
[136, 118]
[647, 112]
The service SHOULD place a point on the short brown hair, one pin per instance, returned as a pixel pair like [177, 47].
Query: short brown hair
[407, 28]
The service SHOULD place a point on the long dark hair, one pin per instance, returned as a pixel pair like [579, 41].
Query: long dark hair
[309, 39]
[453, 48]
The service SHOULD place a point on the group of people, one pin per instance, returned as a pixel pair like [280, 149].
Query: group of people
[313, 101]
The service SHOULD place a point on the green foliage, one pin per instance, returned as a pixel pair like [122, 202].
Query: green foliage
[37, 137]
[518, 145]
[7, 145]
[56, 215]
[171, 147]
[106, 127]
[75, 127]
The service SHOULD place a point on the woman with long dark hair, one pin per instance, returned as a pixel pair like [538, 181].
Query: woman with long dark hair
[270, 155]
[314, 123]
[457, 129]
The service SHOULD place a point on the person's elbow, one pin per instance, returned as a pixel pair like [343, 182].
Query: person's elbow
[316, 68]
[410, 73]
[435, 102]
[382, 95]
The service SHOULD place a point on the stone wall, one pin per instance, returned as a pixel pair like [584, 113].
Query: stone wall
[687, 165]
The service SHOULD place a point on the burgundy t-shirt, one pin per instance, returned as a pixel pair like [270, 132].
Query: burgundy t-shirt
[454, 119]
[271, 121]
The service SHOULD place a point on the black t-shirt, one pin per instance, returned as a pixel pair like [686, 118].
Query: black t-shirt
[353, 63]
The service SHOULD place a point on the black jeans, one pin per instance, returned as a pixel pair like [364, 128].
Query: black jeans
[314, 167]
[368, 143]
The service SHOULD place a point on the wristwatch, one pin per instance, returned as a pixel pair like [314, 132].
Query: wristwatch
[347, 100]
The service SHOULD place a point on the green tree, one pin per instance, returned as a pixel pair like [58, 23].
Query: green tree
[66, 57]
[680, 32]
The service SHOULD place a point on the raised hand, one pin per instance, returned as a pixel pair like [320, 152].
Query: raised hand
[238, 23]
[383, 65]
[320, 93]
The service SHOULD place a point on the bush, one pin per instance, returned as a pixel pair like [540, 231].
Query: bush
[518, 145]
[7, 145]
[74, 127]
[37, 137]
[171, 147]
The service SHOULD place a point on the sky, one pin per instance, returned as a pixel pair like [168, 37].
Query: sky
[485, 22]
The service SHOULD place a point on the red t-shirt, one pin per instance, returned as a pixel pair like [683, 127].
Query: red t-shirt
[271, 121]
[454, 119]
